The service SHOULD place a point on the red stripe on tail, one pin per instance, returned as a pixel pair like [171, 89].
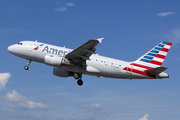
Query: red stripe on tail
[169, 44]
[160, 56]
[165, 50]
[156, 62]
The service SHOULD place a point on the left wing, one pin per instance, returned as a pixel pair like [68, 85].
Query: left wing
[82, 53]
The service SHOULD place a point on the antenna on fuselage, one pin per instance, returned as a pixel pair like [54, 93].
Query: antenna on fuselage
[35, 42]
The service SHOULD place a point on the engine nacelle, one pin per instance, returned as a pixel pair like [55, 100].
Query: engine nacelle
[57, 61]
[61, 72]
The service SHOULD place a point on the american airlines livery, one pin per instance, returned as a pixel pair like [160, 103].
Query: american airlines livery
[84, 60]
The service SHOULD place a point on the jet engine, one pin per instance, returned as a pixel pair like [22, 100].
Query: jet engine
[57, 61]
[61, 72]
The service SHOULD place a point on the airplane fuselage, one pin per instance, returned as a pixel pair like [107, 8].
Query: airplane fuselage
[96, 65]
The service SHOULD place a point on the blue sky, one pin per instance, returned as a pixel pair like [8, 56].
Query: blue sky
[130, 28]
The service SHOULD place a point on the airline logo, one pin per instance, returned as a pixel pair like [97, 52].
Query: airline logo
[157, 55]
[154, 58]
[36, 48]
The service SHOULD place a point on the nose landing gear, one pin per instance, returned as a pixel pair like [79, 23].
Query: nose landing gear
[28, 63]
[78, 77]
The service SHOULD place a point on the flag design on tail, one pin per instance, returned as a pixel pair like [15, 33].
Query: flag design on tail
[150, 63]
[155, 56]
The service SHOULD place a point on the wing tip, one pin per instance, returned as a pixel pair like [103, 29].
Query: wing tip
[100, 39]
[167, 43]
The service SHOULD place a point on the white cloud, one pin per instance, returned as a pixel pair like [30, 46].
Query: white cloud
[70, 4]
[23, 102]
[61, 9]
[6, 110]
[163, 14]
[95, 108]
[145, 117]
[92, 106]
[58, 3]
[173, 36]
[4, 79]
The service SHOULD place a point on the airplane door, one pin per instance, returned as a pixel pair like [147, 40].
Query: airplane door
[32, 55]
[29, 47]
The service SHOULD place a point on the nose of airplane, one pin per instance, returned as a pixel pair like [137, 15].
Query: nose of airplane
[11, 48]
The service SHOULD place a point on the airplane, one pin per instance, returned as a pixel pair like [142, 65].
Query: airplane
[84, 60]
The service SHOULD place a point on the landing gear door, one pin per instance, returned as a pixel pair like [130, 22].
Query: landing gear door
[31, 53]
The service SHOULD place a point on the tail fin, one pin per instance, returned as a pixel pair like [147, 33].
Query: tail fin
[155, 57]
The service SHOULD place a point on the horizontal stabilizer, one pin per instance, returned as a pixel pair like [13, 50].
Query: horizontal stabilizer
[156, 70]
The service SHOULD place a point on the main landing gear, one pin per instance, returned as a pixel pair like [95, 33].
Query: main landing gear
[27, 67]
[78, 77]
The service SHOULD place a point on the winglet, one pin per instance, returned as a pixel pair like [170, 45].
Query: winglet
[100, 39]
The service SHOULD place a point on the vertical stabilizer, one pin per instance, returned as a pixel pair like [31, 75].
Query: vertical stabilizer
[155, 57]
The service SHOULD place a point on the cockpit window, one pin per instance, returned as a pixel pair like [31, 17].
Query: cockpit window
[19, 43]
